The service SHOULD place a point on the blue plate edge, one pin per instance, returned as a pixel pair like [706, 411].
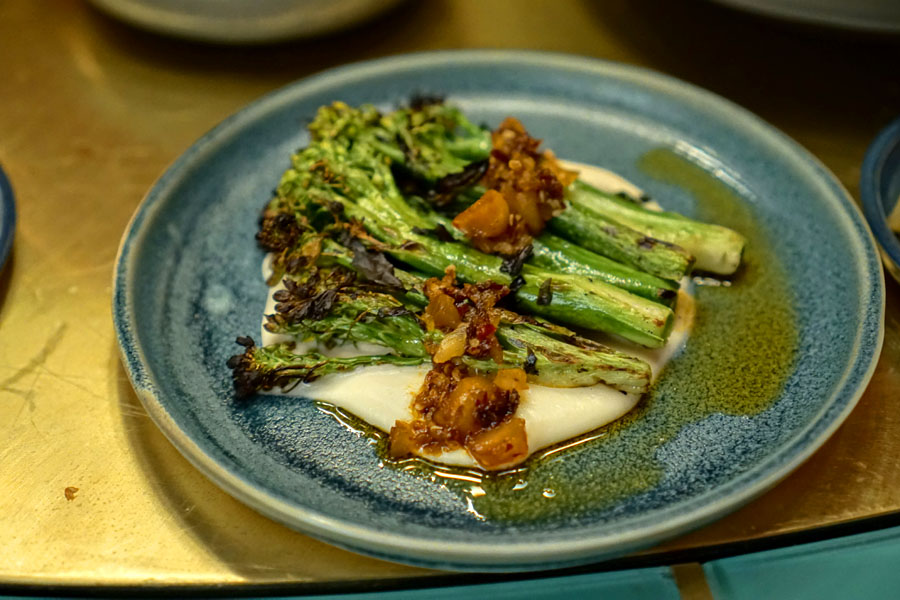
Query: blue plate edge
[870, 176]
[9, 217]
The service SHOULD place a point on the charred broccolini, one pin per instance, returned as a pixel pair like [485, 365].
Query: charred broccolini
[346, 170]
[330, 298]
[667, 245]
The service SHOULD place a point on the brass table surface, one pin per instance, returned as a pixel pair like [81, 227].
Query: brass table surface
[92, 111]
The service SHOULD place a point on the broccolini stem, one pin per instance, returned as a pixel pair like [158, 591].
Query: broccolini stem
[562, 364]
[716, 249]
[276, 366]
[360, 315]
[603, 235]
[554, 253]
[596, 306]
[356, 178]
[577, 301]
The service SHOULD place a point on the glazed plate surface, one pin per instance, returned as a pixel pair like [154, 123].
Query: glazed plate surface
[188, 281]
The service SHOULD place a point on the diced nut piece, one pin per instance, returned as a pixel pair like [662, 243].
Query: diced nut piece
[525, 204]
[488, 217]
[502, 447]
[402, 440]
[457, 411]
[453, 345]
[511, 379]
[442, 312]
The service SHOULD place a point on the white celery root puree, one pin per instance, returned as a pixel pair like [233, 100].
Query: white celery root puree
[382, 395]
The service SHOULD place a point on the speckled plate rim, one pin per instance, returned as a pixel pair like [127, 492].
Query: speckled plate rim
[887, 141]
[620, 537]
[7, 217]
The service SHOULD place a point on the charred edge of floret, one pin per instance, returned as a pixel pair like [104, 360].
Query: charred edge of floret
[248, 375]
[640, 199]
[301, 300]
[307, 248]
[394, 311]
[667, 295]
[370, 262]
[513, 264]
[545, 292]
[449, 186]
[443, 191]
[420, 100]
[298, 259]
[439, 232]
[648, 243]
[278, 231]
[373, 266]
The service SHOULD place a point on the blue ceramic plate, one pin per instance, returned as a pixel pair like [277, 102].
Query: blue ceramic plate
[795, 354]
[7, 217]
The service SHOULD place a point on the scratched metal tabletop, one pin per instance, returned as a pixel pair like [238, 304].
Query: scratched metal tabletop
[92, 111]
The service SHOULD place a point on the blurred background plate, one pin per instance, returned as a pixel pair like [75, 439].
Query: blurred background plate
[879, 186]
[188, 281]
[243, 21]
[7, 217]
[867, 15]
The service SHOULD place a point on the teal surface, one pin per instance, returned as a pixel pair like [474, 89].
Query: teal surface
[865, 566]
[639, 584]
[650, 584]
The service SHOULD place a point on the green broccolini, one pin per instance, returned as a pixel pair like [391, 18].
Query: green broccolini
[557, 254]
[350, 172]
[716, 249]
[277, 366]
[332, 302]
[667, 245]
[372, 185]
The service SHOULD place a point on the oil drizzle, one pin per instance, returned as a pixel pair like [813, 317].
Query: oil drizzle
[745, 332]
[735, 362]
